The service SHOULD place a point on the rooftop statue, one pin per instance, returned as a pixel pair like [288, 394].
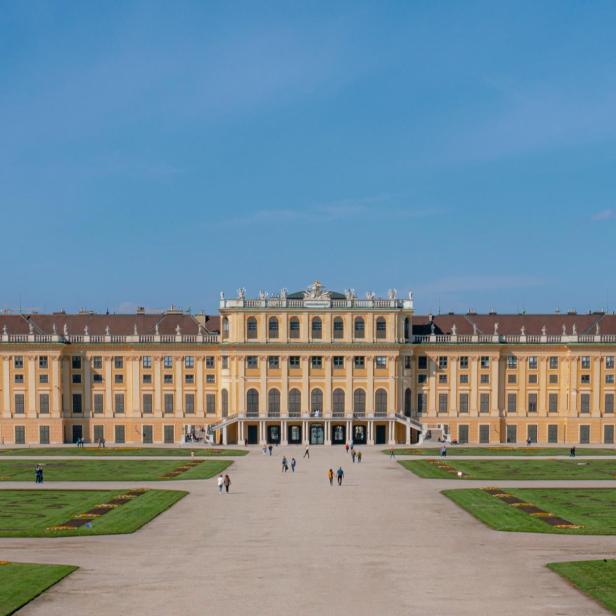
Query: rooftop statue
[316, 291]
[543, 330]
[241, 293]
[454, 329]
[65, 329]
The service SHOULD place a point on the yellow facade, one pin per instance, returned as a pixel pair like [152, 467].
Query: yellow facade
[314, 366]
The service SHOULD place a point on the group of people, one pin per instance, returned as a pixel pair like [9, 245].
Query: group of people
[339, 476]
[38, 474]
[223, 482]
[285, 464]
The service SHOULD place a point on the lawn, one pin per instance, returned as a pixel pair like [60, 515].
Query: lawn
[121, 451]
[31, 513]
[502, 451]
[514, 469]
[595, 578]
[590, 508]
[22, 582]
[111, 470]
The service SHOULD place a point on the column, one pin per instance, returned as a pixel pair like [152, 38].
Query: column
[327, 394]
[31, 380]
[432, 381]
[370, 385]
[305, 437]
[179, 375]
[66, 386]
[474, 406]
[108, 401]
[392, 434]
[224, 435]
[240, 364]
[453, 388]
[284, 433]
[494, 384]
[200, 410]
[305, 363]
[595, 409]
[573, 380]
[6, 385]
[370, 433]
[284, 393]
[87, 395]
[349, 363]
[158, 405]
[56, 387]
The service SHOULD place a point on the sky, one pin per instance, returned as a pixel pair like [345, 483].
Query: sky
[156, 153]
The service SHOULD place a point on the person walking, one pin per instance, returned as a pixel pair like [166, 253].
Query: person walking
[359, 456]
[353, 454]
[227, 483]
[307, 452]
[270, 449]
[284, 464]
[293, 463]
[443, 451]
[392, 453]
[346, 446]
[330, 476]
[264, 450]
[572, 452]
[38, 474]
[340, 475]
[221, 483]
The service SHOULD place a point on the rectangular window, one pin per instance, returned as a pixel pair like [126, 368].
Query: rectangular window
[118, 379]
[484, 379]
[422, 362]
[19, 404]
[18, 362]
[484, 403]
[273, 361]
[210, 404]
[168, 361]
[462, 435]
[609, 403]
[147, 378]
[585, 360]
[209, 362]
[553, 403]
[44, 404]
[464, 362]
[168, 400]
[147, 361]
[608, 435]
[532, 362]
[44, 435]
[338, 361]
[316, 361]
[609, 379]
[189, 361]
[210, 378]
[553, 379]
[167, 379]
[43, 362]
[97, 362]
[99, 433]
[98, 403]
[532, 379]
[97, 378]
[422, 378]
[76, 362]
[359, 361]
[512, 403]
[464, 378]
[252, 361]
[225, 362]
[407, 362]
[512, 434]
[552, 433]
[77, 403]
[585, 379]
[20, 435]
[118, 362]
[512, 379]
[442, 379]
[189, 379]
[189, 404]
[484, 362]
[380, 361]
[43, 378]
[532, 403]
[147, 403]
[422, 403]
[609, 362]
[76, 379]
[294, 361]
[553, 362]
[443, 403]
[442, 362]
[531, 433]
[584, 435]
[120, 435]
[512, 362]
[464, 403]
[484, 434]
[19, 378]
[119, 403]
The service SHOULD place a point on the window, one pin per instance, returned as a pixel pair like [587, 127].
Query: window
[120, 434]
[273, 403]
[209, 362]
[359, 402]
[422, 403]
[44, 435]
[408, 402]
[118, 400]
[338, 328]
[484, 403]
[76, 362]
[76, 378]
[442, 379]
[252, 402]
[294, 328]
[43, 404]
[584, 435]
[553, 379]
[316, 401]
[553, 362]
[295, 402]
[381, 328]
[512, 403]
[18, 362]
[532, 379]
[147, 378]
[98, 403]
[552, 433]
[484, 362]
[609, 379]
[272, 327]
[338, 361]
[210, 404]
[532, 362]
[463, 403]
[251, 328]
[20, 435]
[273, 361]
[189, 403]
[224, 403]
[317, 328]
[316, 361]
[608, 435]
[147, 403]
[19, 378]
[189, 361]
[97, 362]
[118, 378]
[225, 362]
[168, 361]
[168, 402]
[252, 361]
[380, 361]
[512, 379]
[380, 403]
[532, 403]
[464, 362]
[531, 433]
[422, 378]
[442, 362]
[338, 402]
[408, 362]
[442, 403]
[294, 361]
[553, 403]
[464, 379]
[146, 361]
[44, 363]
[43, 378]
[484, 434]
[609, 362]
[585, 379]
[118, 363]
[512, 362]
[189, 379]
[225, 327]
[585, 360]
[422, 362]
[77, 405]
[168, 379]
[359, 362]
[484, 379]
[210, 378]
[359, 327]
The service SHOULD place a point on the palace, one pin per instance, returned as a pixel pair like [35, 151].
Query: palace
[315, 367]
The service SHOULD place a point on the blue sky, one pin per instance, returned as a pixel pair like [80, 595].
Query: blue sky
[155, 153]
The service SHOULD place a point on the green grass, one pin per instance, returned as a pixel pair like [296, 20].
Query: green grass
[121, 451]
[30, 513]
[107, 470]
[595, 578]
[590, 508]
[22, 582]
[516, 469]
[502, 451]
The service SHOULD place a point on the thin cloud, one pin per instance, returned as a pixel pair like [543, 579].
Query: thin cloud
[608, 214]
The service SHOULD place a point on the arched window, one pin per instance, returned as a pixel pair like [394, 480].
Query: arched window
[380, 403]
[317, 328]
[360, 327]
[338, 328]
[294, 328]
[295, 403]
[251, 327]
[252, 403]
[273, 403]
[408, 402]
[272, 327]
[316, 402]
[381, 328]
[407, 328]
[225, 327]
[359, 402]
[225, 402]
[338, 402]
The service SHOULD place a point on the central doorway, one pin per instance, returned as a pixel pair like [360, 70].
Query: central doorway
[273, 435]
[317, 434]
[252, 434]
[295, 435]
[359, 435]
[338, 434]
